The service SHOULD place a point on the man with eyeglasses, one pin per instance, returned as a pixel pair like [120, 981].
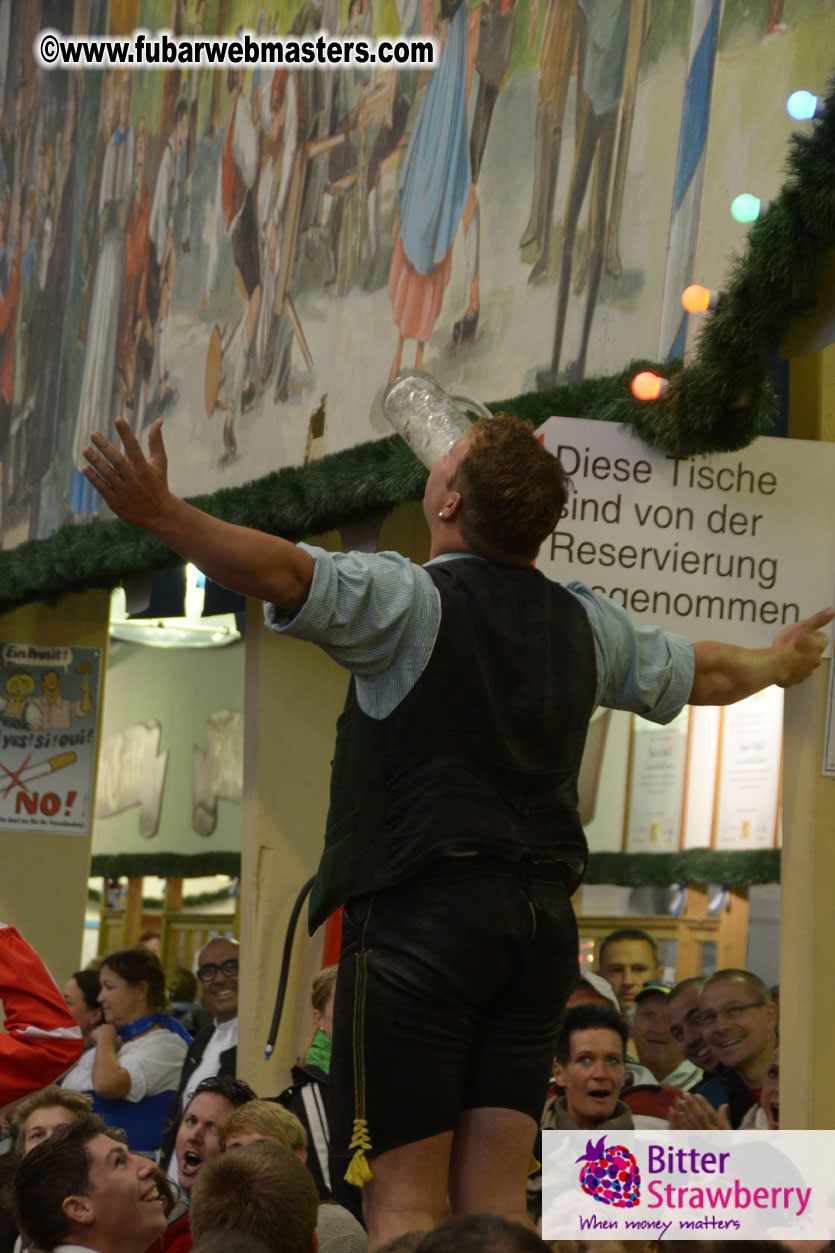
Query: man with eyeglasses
[738, 1019]
[214, 1049]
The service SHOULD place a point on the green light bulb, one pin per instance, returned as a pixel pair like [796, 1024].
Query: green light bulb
[746, 208]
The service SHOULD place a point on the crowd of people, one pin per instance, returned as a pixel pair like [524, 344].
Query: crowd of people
[150, 1142]
[144, 1109]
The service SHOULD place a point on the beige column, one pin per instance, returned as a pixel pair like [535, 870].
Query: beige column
[293, 696]
[43, 885]
[807, 953]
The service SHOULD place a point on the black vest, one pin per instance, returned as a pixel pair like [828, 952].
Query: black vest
[482, 754]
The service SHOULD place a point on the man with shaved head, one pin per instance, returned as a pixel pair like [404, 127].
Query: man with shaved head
[737, 1021]
[214, 1050]
[686, 1029]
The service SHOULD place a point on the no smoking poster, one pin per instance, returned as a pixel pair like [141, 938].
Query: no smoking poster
[49, 703]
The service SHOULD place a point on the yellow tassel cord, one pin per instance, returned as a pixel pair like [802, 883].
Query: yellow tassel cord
[359, 1172]
[533, 1165]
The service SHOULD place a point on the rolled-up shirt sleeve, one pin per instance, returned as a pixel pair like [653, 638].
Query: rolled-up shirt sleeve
[376, 614]
[642, 669]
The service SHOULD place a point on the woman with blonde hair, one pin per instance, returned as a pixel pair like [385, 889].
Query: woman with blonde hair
[16, 710]
[321, 997]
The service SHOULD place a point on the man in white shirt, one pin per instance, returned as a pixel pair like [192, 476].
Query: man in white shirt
[81, 1189]
[213, 1051]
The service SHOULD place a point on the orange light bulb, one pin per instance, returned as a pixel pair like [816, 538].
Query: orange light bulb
[696, 299]
[648, 386]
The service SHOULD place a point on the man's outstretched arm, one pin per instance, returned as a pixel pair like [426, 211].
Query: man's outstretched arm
[726, 673]
[247, 561]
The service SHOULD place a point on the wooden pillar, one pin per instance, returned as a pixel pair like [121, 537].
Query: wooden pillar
[174, 895]
[133, 912]
[733, 931]
[172, 904]
[689, 949]
[807, 936]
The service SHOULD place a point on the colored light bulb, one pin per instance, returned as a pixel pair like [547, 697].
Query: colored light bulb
[746, 208]
[696, 299]
[648, 386]
[802, 106]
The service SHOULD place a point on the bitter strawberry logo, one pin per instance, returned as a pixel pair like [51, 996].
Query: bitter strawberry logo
[610, 1175]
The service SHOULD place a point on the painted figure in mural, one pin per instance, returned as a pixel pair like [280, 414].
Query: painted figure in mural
[255, 80]
[637, 34]
[29, 266]
[289, 204]
[284, 106]
[47, 327]
[24, 106]
[560, 48]
[162, 262]
[89, 235]
[45, 206]
[14, 458]
[11, 248]
[269, 113]
[46, 178]
[319, 85]
[556, 56]
[57, 711]
[497, 21]
[434, 188]
[604, 32]
[349, 91]
[95, 404]
[6, 146]
[403, 89]
[134, 347]
[193, 118]
[16, 709]
[235, 216]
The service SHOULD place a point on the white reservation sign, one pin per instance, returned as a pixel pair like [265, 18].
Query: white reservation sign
[732, 547]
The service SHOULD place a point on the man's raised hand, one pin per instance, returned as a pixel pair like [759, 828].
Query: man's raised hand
[134, 486]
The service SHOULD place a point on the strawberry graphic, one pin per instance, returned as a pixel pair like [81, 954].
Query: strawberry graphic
[610, 1175]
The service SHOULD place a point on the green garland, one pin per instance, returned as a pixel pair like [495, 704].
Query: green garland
[696, 865]
[720, 402]
[164, 865]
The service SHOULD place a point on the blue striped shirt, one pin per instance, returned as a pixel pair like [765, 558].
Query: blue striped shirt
[377, 614]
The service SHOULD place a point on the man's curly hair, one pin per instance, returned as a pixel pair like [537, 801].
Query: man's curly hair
[514, 490]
